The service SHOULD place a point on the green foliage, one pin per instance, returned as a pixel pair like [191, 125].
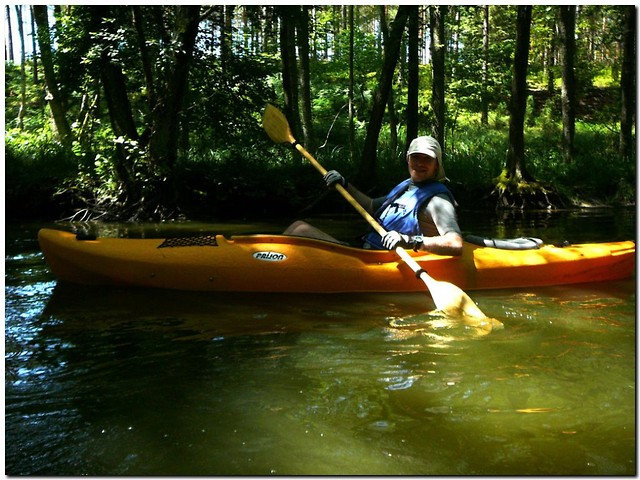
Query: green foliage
[226, 102]
[598, 170]
[35, 167]
[476, 155]
[227, 165]
[34, 115]
[465, 67]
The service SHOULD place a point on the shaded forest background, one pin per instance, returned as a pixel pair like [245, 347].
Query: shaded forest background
[154, 112]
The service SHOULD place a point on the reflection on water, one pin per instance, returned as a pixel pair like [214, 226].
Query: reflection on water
[574, 226]
[124, 381]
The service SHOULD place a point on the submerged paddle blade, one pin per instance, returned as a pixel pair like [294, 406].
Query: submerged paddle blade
[276, 125]
[452, 301]
[449, 298]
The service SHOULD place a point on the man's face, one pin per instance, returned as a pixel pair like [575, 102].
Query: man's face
[422, 167]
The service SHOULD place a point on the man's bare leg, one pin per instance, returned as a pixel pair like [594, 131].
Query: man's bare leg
[303, 229]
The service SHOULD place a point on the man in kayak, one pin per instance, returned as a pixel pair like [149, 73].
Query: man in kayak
[418, 213]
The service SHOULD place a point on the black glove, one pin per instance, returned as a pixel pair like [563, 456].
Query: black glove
[332, 177]
[393, 239]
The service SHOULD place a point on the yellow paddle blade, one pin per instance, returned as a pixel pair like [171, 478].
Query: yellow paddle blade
[276, 125]
[449, 298]
[452, 301]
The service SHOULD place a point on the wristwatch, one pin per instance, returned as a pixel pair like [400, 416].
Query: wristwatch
[417, 242]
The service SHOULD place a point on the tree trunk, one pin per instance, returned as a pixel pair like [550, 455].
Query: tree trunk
[455, 10]
[36, 80]
[54, 97]
[367, 173]
[628, 85]
[413, 79]
[226, 43]
[305, 77]
[550, 63]
[484, 115]
[118, 105]
[391, 106]
[147, 64]
[168, 113]
[438, 49]
[516, 188]
[23, 75]
[289, 66]
[516, 165]
[351, 86]
[115, 92]
[567, 50]
[9, 52]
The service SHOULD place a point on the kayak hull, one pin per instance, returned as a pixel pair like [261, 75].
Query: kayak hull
[276, 263]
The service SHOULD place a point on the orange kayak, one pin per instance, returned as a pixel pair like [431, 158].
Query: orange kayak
[277, 263]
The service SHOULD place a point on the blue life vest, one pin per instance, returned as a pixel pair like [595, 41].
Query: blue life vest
[400, 209]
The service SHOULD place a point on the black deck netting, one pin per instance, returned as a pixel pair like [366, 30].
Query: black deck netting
[195, 241]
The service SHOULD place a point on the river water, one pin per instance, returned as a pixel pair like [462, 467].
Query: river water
[111, 381]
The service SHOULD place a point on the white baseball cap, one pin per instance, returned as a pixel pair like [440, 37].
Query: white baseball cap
[429, 146]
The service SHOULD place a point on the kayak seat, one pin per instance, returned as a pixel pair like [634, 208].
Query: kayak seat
[522, 243]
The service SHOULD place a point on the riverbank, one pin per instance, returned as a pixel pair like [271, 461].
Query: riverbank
[45, 202]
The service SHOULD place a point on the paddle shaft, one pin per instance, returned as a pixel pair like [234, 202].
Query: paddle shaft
[372, 221]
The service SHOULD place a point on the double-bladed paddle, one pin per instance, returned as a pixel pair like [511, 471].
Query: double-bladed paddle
[447, 297]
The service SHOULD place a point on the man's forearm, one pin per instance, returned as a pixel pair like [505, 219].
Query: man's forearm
[448, 244]
[361, 198]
